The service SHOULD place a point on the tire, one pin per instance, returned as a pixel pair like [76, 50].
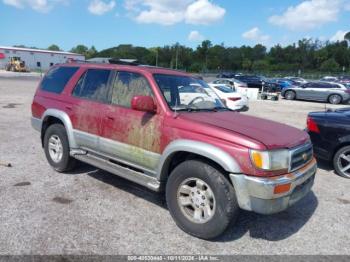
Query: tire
[56, 135]
[224, 206]
[290, 95]
[335, 99]
[339, 162]
[263, 97]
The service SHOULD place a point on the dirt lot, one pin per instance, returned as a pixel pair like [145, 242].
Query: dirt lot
[92, 212]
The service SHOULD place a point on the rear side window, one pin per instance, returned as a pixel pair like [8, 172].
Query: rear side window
[93, 85]
[56, 79]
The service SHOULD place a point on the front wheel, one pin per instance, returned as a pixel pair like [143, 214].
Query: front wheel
[341, 162]
[290, 95]
[56, 148]
[200, 199]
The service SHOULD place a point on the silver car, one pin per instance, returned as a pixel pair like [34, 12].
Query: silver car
[333, 93]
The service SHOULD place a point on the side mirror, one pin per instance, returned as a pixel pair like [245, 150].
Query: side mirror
[143, 103]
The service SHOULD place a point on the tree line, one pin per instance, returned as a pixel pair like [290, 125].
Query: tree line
[305, 55]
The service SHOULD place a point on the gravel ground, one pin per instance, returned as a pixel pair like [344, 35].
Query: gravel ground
[92, 212]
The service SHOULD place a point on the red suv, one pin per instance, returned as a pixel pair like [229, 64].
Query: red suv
[140, 123]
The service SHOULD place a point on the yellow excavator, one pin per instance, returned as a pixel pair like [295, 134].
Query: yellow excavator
[15, 64]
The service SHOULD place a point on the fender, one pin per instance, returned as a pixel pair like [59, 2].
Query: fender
[206, 150]
[65, 120]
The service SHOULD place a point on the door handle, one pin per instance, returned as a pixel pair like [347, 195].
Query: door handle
[110, 117]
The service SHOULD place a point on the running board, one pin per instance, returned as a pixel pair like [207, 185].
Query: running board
[124, 172]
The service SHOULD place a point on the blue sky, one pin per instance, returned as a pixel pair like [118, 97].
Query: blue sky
[107, 23]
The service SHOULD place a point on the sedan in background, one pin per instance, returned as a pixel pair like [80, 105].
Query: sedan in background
[232, 99]
[233, 83]
[333, 93]
[298, 80]
[329, 132]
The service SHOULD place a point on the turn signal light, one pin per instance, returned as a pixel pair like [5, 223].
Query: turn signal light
[282, 188]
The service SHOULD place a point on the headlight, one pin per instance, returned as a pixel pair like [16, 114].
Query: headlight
[270, 160]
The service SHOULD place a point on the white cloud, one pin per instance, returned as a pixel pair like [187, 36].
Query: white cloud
[203, 12]
[309, 14]
[338, 36]
[43, 6]
[169, 12]
[256, 35]
[99, 7]
[195, 36]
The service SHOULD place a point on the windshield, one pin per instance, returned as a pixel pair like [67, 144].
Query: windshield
[187, 93]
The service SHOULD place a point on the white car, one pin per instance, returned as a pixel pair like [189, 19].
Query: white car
[233, 99]
[232, 82]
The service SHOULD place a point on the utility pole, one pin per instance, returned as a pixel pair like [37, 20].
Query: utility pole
[177, 56]
[157, 58]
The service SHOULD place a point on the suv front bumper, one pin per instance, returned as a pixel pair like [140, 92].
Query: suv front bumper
[257, 194]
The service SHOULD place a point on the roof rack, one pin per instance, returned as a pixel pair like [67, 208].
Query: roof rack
[117, 61]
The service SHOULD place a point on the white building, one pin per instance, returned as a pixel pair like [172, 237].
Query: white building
[36, 59]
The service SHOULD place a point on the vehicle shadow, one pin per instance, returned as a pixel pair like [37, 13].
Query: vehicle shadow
[130, 187]
[324, 165]
[272, 227]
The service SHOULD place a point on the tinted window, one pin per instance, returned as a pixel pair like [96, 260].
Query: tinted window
[57, 78]
[127, 85]
[93, 85]
[224, 89]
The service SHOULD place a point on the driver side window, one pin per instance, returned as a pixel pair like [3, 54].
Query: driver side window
[127, 85]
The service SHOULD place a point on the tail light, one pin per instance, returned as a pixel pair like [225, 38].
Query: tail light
[312, 125]
[234, 98]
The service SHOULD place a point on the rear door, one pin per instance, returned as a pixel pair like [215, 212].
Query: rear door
[88, 97]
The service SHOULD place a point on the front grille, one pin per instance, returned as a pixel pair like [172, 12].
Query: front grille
[301, 156]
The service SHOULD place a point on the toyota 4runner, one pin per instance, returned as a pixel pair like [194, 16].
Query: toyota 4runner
[211, 162]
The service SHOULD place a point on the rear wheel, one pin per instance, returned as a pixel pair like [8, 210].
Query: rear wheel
[200, 199]
[335, 99]
[290, 95]
[56, 148]
[341, 162]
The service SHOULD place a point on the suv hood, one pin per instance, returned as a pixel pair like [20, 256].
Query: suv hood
[272, 134]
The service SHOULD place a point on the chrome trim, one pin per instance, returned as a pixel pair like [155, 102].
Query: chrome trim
[294, 150]
[207, 150]
[36, 123]
[257, 194]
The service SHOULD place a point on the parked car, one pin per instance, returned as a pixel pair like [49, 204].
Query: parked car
[329, 132]
[251, 80]
[233, 99]
[282, 83]
[209, 160]
[225, 75]
[329, 79]
[345, 80]
[232, 82]
[333, 93]
[298, 80]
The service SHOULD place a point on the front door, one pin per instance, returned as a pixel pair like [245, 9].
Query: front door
[128, 135]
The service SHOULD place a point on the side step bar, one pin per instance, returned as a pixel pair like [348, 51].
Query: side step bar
[124, 172]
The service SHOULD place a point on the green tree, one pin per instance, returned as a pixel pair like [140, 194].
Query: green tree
[80, 49]
[330, 65]
[54, 48]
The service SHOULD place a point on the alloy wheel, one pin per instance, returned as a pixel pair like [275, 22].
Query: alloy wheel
[196, 200]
